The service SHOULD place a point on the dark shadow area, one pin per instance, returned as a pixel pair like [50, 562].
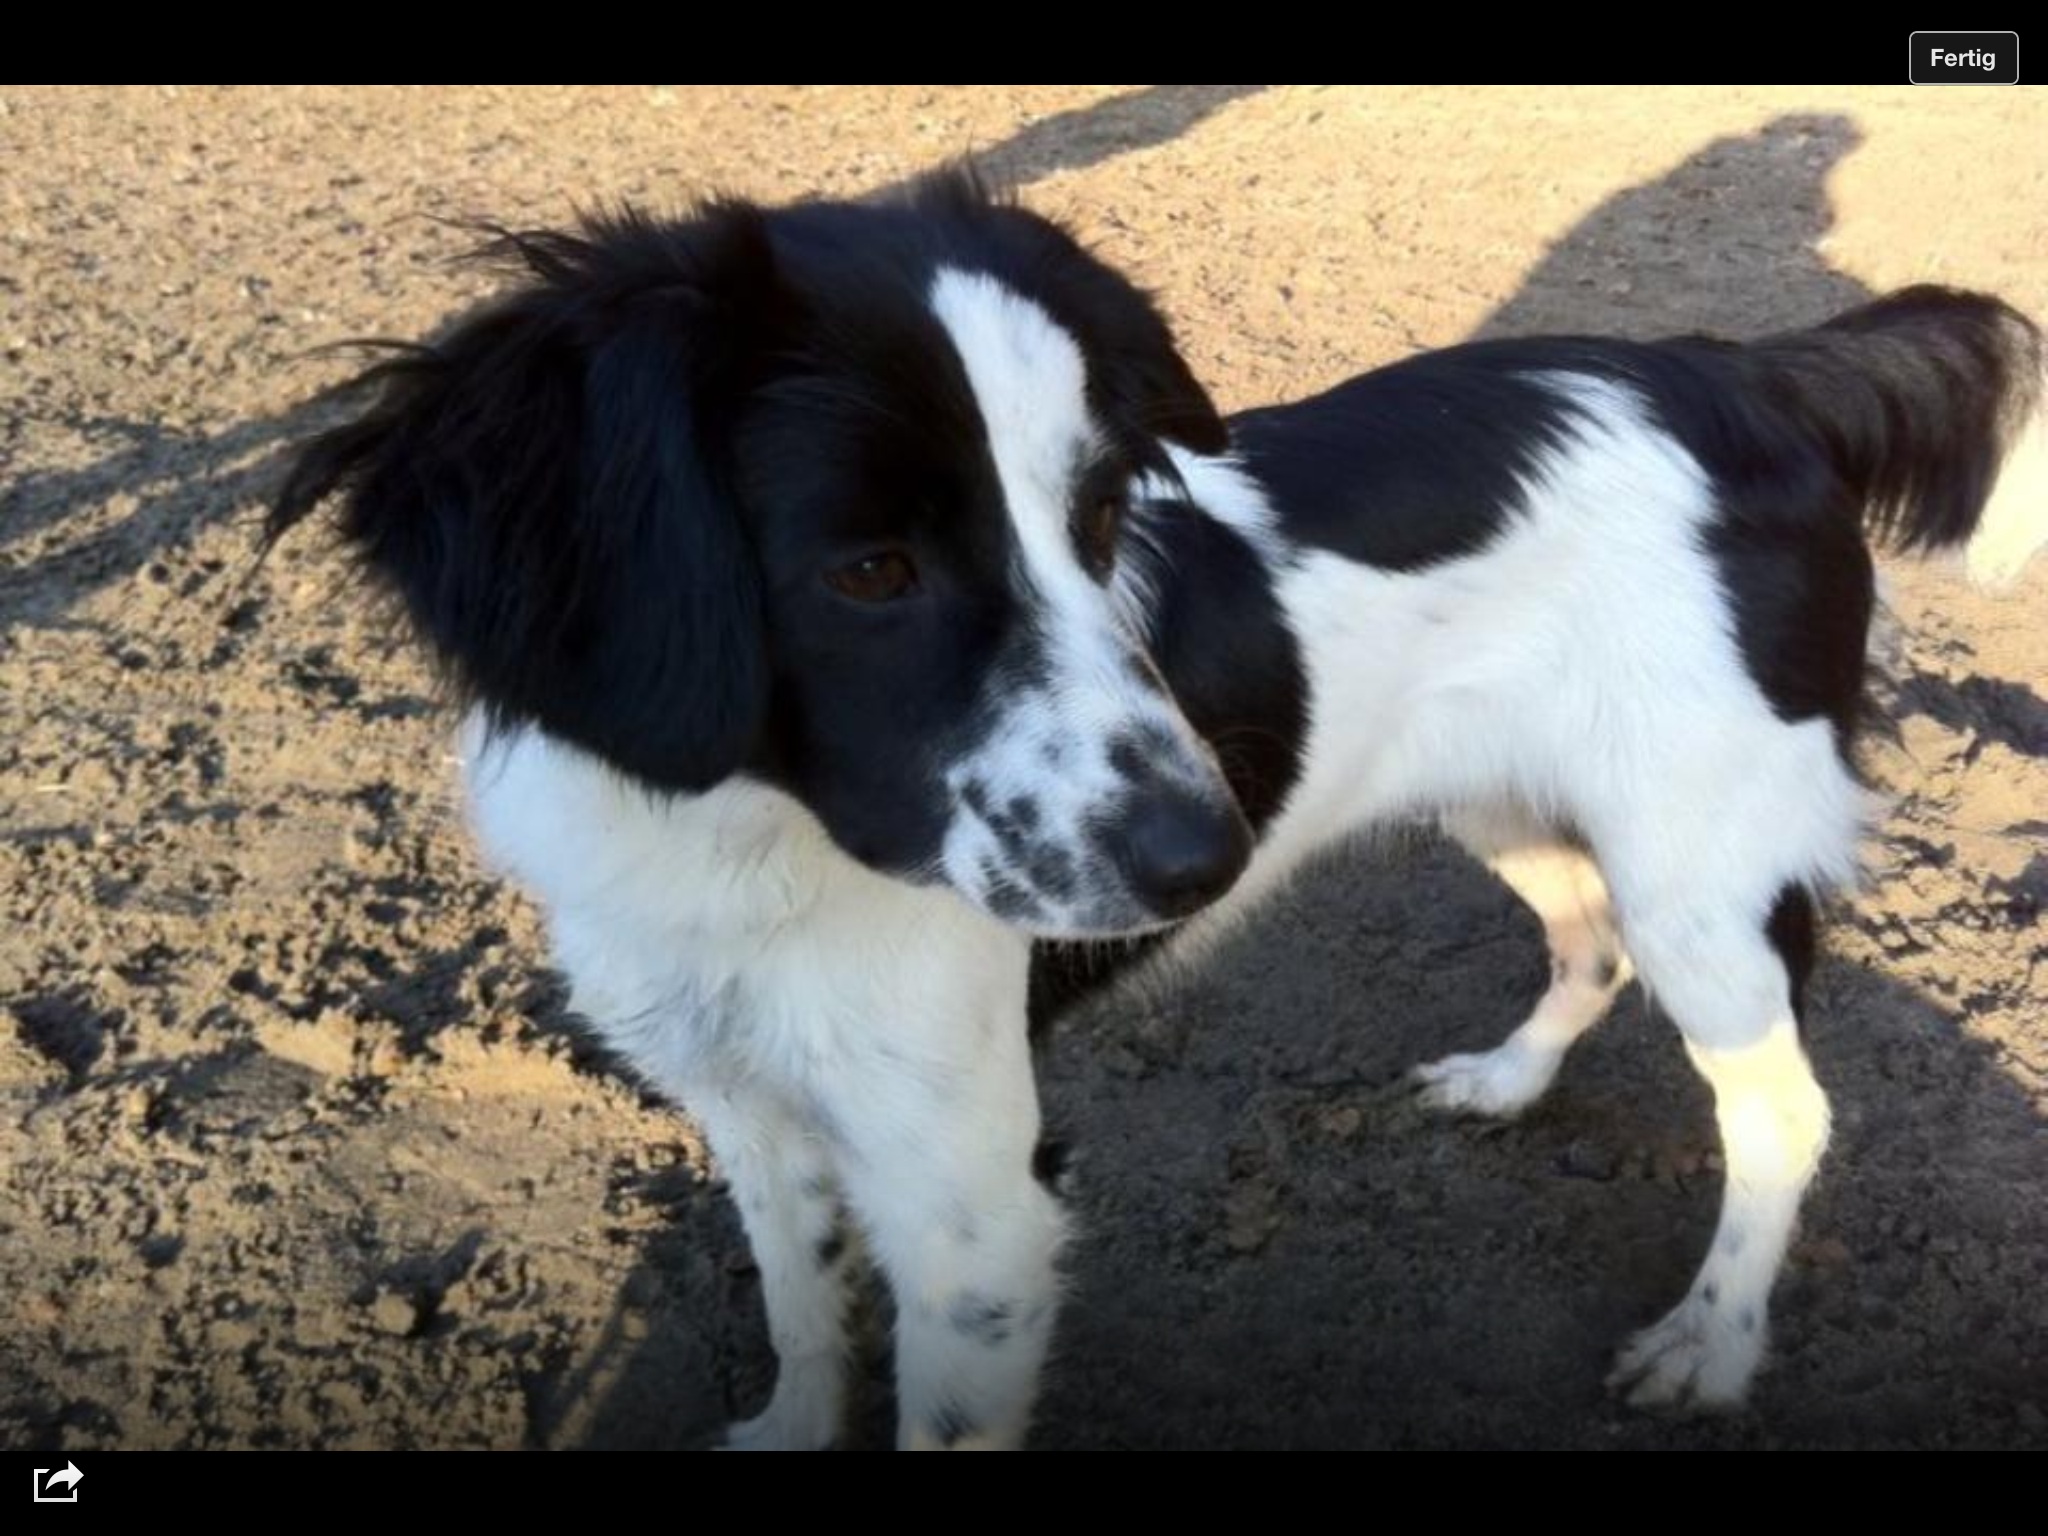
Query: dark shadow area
[684, 1350]
[1995, 709]
[1345, 1269]
[1727, 243]
[670, 1360]
[417, 1284]
[68, 1028]
[1085, 136]
[180, 483]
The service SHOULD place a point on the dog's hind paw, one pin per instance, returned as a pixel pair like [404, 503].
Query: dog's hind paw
[770, 1432]
[1502, 1081]
[1700, 1357]
[802, 1416]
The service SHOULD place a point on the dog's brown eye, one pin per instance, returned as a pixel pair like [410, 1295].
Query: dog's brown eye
[878, 578]
[1101, 519]
[1105, 519]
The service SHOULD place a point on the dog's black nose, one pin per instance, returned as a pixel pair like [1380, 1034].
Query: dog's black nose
[1180, 851]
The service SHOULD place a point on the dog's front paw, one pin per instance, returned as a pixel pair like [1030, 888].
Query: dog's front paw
[771, 1431]
[1700, 1356]
[1503, 1081]
[802, 1416]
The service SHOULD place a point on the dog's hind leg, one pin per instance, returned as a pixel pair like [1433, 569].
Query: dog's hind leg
[1562, 885]
[1734, 986]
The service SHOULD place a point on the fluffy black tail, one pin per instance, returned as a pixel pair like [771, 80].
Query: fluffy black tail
[1930, 403]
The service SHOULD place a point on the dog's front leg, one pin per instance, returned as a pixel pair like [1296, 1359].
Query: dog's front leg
[939, 1172]
[782, 1178]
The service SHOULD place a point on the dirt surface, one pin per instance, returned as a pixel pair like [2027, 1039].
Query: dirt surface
[295, 1145]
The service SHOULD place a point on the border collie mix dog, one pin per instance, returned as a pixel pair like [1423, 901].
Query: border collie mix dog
[861, 608]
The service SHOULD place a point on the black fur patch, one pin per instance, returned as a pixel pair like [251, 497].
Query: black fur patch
[1228, 656]
[1051, 1160]
[985, 1320]
[1127, 758]
[526, 487]
[1412, 465]
[1005, 897]
[1792, 560]
[1795, 935]
[831, 1248]
[1052, 872]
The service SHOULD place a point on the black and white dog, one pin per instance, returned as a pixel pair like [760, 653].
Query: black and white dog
[862, 607]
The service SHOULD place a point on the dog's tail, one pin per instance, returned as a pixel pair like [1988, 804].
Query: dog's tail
[1933, 405]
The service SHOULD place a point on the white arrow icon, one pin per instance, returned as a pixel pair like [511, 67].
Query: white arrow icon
[46, 1487]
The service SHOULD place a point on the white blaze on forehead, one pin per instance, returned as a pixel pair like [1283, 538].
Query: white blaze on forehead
[1031, 385]
[1049, 746]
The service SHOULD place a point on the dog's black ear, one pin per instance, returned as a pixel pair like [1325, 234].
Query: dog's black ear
[1144, 382]
[546, 491]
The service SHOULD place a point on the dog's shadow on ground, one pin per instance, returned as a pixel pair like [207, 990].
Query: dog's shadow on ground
[1729, 242]
[1276, 1247]
[1330, 1265]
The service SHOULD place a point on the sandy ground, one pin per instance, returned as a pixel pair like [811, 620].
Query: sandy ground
[295, 1147]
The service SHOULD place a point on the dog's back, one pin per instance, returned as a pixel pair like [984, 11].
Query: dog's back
[1601, 607]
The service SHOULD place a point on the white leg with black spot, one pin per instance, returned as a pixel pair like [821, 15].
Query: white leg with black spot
[969, 1242]
[1773, 1119]
[784, 1184]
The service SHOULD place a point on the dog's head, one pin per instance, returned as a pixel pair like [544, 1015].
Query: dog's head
[830, 496]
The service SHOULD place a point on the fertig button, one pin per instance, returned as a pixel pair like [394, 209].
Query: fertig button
[1963, 58]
